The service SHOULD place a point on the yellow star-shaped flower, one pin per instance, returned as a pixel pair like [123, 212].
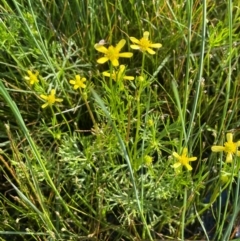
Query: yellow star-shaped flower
[144, 44]
[183, 159]
[230, 148]
[32, 78]
[112, 53]
[50, 99]
[78, 82]
[118, 74]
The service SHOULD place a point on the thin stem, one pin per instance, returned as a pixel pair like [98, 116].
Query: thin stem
[199, 77]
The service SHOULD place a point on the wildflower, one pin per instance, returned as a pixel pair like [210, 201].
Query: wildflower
[229, 147]
[183, 159]
[148, 160]
[112, 53]
[150, 122]
[32, 78]
[78, 82]
[144, 44]
[118, 75]
[50, 99]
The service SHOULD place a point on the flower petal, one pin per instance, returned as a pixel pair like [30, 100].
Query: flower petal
[102, 60]
[126, 55]
[157, 46]
[128, 77]
[150, 51]
[185, 151]
[176, 165]
[134, 46]
[44, 97]
[58, 100]
[73, 82]
[105, 73]
[101, 48]
[134, 40]
[191, 159]
[78, 78]
[229, 137]
[188, 167]
[53, 92]
[229, 158]
[146, 34]
[120, 44]
[176, 155]
[115, 62]
[217, 148]
[120, 72]
[45, 105]
[121, 68]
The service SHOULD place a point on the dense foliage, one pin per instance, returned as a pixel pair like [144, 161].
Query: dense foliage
[119, 120]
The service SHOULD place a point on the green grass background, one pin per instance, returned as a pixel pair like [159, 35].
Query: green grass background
[64, 177]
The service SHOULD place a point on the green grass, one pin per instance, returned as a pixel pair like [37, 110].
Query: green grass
[98, 165]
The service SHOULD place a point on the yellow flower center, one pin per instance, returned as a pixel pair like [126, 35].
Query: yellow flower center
[230, 147]
[51, 99]
[144, 43]
[112, 53]
[184, 160]
[79, 83]
[33, 78]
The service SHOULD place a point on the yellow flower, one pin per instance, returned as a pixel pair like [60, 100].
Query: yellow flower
[150, 122]
[112, 53]
[78, 82]
[144, 44]
[148, 160]
[32, 78]
[183, 159]
[118, 75]
[229, 147]
[50, 99]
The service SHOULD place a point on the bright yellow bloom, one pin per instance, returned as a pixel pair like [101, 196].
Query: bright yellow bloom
[78, 82]
[50, 99]
[32, 78]
[229, 147]
[112, 53]
[144, 44]
[183, 159]
[119, 74]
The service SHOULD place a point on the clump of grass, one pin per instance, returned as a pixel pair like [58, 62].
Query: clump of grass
[103, 109]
